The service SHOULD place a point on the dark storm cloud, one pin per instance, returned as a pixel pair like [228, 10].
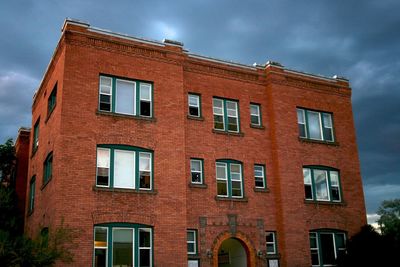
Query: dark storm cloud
[355, 39]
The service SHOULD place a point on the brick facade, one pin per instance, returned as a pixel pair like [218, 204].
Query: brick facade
[75, 127]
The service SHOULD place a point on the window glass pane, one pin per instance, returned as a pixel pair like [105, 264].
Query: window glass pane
[219, 122]
[100, 237]
[222, 188]
[231, 108]
[193, 100]
[300, 116]
[194, 111]
[217, 103]
[235, 169]
[190, 235]
[122, 247]
[302, 130]
[125, 97]
[327, 120]
[221, 171]
[308, 191]
[321, 185]
[190, 248]
[314, 257]
[100, 257]
[103, 157]
[307, 176]
[259, 182]
[144, 238]
[145, 161]
[270, 249]
[334, 178]
[258, 170]
[144, 258]
[145, 91]
[195, 165]
[105, 85]
[327, 248]
[340, 241]
[313, 240]
[196, 177]
[145, 108]
[314, 125]
[255, 119]
[254, 110]
[236, 188]
[269, 237]
[124, 166]
[232, 124]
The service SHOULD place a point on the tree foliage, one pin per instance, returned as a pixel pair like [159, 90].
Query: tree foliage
[389, 221]
[16, 249]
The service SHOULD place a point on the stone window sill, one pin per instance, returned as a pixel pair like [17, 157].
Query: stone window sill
[329, 203]
[261, 190]
[254, 126]
[123, 190]
[113, 114]
[203, 186]
[240, 134]
[306, 140]
[244, 199]
[190, 117]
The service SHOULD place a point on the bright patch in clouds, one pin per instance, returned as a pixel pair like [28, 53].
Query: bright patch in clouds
[163, 30]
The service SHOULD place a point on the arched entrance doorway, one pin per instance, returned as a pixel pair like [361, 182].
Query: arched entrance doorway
[233, 250]
[231, 253]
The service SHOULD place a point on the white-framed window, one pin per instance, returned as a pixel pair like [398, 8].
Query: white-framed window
[124, 167]
[191, 240]
[194, 105]
[196, 171]
[124, 96]
[226, 115]
[259, 176]
[321, 184]
[229, 179]
[122, 244]
[326, 247]
[315, 125]
[270, 242]
[255, 114]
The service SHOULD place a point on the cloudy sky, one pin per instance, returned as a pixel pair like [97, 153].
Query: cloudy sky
[357, 39]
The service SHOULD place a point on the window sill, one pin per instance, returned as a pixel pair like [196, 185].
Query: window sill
[45, 184]
[193, 257]
[306, 140]
[240, 134]
[190, 117]
[49, 114]
[123, 190]
[203, 186]
[273, 256]
[113, 114]
[244, 199]
[261, 190]
[329, 203]
[254, 126]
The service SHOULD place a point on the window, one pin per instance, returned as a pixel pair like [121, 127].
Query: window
[122, 166]
[315, 125]
[194, 105]
[229, 179]
[259, 176]
[326, 247]
[321, 184]
[124, 96]
[32, 188]
[51, 102]
[35, 143]
[226, 115]
[196, 170]
[255, 114]
[123, 244]
[48, 168]
[191, 242]
[270, 243]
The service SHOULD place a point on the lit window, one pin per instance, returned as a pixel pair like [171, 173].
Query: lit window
[255, 114]
[131, 167]
[194, 105]
[196, 170]
[124, 96]
[229, 179]
[326, 247]
[321, 184]
[226, 115]
[315, 125]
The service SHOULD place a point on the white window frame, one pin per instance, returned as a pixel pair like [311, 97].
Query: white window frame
[270, 243]
[303, 114]
[194, 242]
[133, 167]
[231, 116]
[99, 247]
[225, 165]
[217, 114]
[197, 97]
[102, 93]
[328, 182]
[257, 176]
[150, 166]
[315, 248]
[192, 171]
[97, 165]
[258, 114]
[149, 230]
[321, 121]
[310, 183]
[240, 180]
[149, 100]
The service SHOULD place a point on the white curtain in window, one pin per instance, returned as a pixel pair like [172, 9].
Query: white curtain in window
[124, 169]
[125, 97]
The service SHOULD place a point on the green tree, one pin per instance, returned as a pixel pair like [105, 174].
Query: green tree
[16, 249]
[389, 222]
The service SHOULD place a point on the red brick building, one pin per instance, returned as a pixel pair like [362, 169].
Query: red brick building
[161, 157]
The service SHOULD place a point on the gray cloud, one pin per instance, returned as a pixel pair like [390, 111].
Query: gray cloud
[357, 39]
